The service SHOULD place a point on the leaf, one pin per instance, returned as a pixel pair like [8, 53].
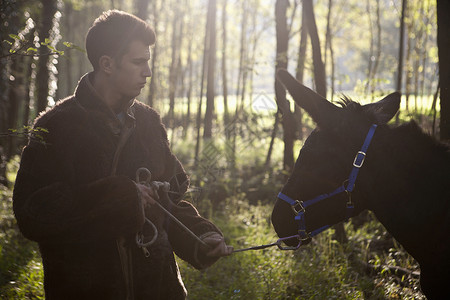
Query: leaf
[73, 46]
[31, 49]
[51, 48]
[41, 129]
[14, 36]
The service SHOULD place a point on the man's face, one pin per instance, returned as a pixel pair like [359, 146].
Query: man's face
[130, 73]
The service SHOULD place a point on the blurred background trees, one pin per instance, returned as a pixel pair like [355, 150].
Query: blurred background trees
[227, 52]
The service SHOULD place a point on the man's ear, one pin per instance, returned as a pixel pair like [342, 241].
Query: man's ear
[106, 64]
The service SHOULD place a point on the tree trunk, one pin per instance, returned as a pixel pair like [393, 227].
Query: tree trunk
[301, 69]
[189, 66]
[211, 70]
[424, 52]
[173, 71]
[153, 87]
[408, 65]
[370, 62]
[141, 9]
[43, 76]
[280, 93]
[401, 47]
[378, 52]
[200, 103]
[319, 68]
[16, 94]
[254, 47]
[224, 66]
[272, 139]
[329, 45]
[242, 51]
[68, 8]
[443, 40]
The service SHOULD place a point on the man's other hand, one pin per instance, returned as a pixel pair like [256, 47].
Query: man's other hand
[218, 246]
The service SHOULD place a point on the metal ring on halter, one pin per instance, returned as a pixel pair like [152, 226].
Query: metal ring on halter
[140, 237]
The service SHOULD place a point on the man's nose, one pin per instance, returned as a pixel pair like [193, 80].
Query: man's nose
[147, 71]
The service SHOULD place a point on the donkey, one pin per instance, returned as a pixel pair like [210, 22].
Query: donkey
[399, 173]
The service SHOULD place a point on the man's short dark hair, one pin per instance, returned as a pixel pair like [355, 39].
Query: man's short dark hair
[112, 32]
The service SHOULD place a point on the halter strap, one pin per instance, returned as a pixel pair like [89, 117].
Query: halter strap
[359, 158]
[357, 164]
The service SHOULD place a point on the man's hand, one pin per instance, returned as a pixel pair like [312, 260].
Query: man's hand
[218, 246]
[147, 194]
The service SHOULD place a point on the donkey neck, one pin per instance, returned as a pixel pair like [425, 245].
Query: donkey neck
[405, 183]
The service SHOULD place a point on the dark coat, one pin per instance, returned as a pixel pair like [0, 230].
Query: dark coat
[66, 199]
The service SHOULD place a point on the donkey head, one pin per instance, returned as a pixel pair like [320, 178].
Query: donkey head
[326, 159]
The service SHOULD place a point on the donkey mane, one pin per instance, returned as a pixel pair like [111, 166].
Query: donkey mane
[347, 102]
[408, 128]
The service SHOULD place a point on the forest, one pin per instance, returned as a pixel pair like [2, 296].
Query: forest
[234, 127]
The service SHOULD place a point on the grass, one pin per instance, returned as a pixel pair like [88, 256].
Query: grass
[21, 275]
[324, 269]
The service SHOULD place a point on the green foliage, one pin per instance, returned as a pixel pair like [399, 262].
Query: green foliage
[323, 269]
[27, 132]
[21, 275]
[20, 46]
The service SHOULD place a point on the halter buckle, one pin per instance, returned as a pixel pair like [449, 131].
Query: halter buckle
[357, 164]
[298, 204]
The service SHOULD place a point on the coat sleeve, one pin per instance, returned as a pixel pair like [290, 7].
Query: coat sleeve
[48, 208]
[184, 245]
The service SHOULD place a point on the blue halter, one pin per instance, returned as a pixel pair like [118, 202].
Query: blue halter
[299, 207]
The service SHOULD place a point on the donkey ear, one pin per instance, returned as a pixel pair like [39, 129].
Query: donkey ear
[320, 109]
[385, 109]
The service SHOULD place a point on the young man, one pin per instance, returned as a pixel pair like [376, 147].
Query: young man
[75, 193]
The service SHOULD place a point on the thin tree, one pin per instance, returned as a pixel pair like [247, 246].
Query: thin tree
[141, 9]
[329, 46]
[443, 39]
[224, 65]
[43, 76]
[409, 57]
[190, 79]
[242, 51]
[401, 51]
[155, 53]
[300, 70]
[376, 54]
[210, 90]
[319, 67]
[288, 124]
[173, 70]
[401, 47]
[202, 80]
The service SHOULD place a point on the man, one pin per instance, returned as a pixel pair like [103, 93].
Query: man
[75, 193]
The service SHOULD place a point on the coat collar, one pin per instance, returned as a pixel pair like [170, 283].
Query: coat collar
[90, 99]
